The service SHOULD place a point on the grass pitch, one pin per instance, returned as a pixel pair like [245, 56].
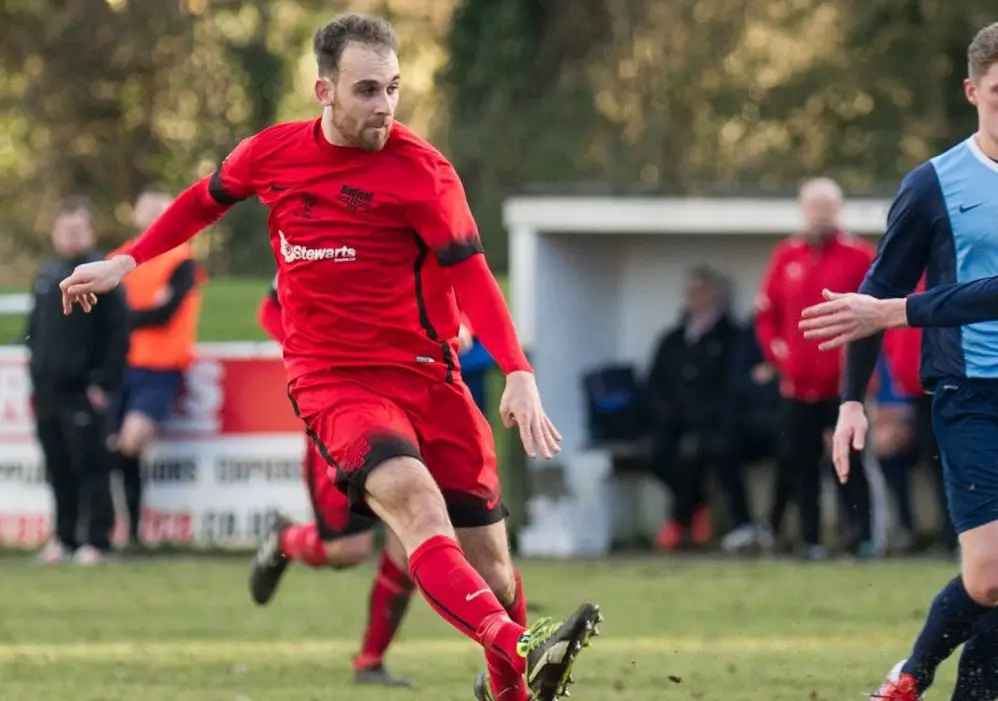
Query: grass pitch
[185, 630]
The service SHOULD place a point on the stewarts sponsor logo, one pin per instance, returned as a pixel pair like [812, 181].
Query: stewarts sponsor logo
[292, 252]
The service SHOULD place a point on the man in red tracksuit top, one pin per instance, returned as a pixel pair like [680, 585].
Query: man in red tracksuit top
[821, 256]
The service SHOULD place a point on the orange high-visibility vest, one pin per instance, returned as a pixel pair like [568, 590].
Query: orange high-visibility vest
[171, 346]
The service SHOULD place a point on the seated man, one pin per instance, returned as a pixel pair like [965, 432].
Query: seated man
[687, 392]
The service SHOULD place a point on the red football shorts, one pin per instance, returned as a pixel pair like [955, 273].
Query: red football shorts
[362, 417]
[333, 517]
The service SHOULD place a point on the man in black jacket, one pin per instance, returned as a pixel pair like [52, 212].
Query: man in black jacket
[688, 391]
[76, 366]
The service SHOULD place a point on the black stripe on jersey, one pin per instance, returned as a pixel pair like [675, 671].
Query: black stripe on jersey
[457, 251]
[217, 190]
[424, 314]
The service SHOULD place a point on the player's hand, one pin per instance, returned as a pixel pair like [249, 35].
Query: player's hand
[848, 317]
[91, 279]
[520, 406]
[850, 434]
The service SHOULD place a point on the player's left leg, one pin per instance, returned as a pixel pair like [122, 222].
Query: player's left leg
[977, 678]
[461, 455]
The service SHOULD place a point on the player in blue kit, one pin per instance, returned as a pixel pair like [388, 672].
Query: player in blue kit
[944, 222]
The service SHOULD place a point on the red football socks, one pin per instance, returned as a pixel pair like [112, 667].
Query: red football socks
[507, 683]
[303, 544]
[461, 597]
[390, 597]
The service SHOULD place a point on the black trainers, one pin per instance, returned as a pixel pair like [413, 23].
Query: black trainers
[380, 676]
[269, 563]
[551, 648]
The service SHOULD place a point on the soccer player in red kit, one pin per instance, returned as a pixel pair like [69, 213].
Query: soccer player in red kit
[337, 538]
[375, 242]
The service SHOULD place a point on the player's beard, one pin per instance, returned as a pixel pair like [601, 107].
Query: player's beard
[363, 135]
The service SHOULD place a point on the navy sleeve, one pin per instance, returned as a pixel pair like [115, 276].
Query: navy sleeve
[902, 255]
[955, 304]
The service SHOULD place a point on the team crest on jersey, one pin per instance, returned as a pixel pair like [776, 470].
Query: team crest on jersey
[308, 202]
[356, 200]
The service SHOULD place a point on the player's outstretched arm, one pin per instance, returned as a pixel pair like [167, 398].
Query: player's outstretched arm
[848, 317]
[845, 318]
[194, 210]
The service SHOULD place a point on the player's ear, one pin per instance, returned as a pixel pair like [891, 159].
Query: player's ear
[970, 90]
[324, 92]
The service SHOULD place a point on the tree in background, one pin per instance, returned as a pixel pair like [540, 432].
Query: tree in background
[101, 97]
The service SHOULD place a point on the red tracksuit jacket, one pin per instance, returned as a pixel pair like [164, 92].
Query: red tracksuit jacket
[797, 274]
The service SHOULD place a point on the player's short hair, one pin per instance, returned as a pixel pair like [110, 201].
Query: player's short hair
[983, 51]
[74, 204]
[330, 40]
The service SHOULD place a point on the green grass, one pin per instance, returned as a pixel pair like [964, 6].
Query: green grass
[186, 631]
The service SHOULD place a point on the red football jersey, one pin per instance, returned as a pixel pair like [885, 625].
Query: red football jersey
[360, 240]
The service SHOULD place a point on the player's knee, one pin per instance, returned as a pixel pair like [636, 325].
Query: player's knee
[404, 495]
[982, 589]
[979, 566]
[137, 431]
[344, 553]
[980, 579]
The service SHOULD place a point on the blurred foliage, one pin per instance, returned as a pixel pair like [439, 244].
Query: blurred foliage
[702, 96]
[104, 96]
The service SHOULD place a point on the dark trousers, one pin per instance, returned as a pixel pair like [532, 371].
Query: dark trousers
[801, 465]
[72, 437]
[681, 459]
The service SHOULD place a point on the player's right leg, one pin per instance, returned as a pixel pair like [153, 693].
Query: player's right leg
[965, 417]
[372, 446]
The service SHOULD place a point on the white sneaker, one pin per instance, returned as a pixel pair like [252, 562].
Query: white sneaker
[52, 554]
[740, 538]
[88, 555]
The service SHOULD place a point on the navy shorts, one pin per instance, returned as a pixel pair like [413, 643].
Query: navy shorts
[148, 392]
[965, 421]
